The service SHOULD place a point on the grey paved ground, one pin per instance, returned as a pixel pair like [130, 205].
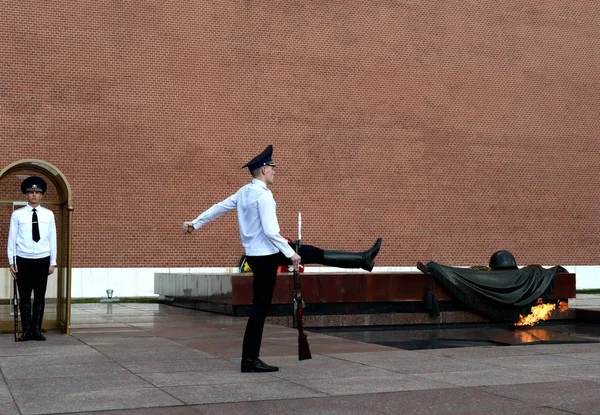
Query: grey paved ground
[153, 359]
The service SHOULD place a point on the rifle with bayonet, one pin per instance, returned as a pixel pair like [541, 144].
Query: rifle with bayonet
[15, 303]
[303, 348]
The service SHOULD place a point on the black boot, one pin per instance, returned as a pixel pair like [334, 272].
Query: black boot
[25, 310]
[257, 365]
[342, 259]
[36, 321]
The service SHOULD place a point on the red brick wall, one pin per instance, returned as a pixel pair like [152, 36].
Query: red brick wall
[451, 129]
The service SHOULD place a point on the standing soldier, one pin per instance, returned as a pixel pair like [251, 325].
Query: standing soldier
[266, 249]
[32, 255]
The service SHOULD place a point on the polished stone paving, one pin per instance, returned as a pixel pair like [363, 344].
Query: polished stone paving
[151, 359]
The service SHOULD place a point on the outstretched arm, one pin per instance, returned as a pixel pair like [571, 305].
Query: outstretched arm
[215, 211]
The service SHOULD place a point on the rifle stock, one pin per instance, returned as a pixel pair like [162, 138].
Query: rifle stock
[303, 348]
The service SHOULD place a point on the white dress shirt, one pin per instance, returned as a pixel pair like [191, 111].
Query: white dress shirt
[20, 240]
[257, 217]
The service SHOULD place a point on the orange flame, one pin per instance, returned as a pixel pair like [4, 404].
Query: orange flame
[540, 312]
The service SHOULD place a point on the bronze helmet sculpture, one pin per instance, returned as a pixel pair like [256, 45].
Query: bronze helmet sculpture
[502, 260]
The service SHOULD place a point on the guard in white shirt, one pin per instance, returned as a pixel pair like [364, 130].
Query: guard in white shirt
[32, 255]
[266, 249]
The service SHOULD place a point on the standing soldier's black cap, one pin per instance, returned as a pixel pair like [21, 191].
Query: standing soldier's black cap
[263, 159]
[33, 183]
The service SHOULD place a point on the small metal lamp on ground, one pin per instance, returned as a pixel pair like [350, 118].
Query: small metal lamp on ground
[109, 297]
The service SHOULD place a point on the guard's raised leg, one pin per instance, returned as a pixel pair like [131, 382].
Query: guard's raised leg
[343, 259]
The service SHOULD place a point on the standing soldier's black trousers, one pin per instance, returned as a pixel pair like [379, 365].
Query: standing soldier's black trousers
[32, 275]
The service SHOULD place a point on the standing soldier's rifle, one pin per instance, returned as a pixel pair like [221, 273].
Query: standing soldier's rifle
[303, 349]
[15, 304]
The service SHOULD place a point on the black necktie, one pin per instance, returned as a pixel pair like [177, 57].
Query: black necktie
[35, 228]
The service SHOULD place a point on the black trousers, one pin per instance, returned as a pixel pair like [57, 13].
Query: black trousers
[264, 269]
[32, 276]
